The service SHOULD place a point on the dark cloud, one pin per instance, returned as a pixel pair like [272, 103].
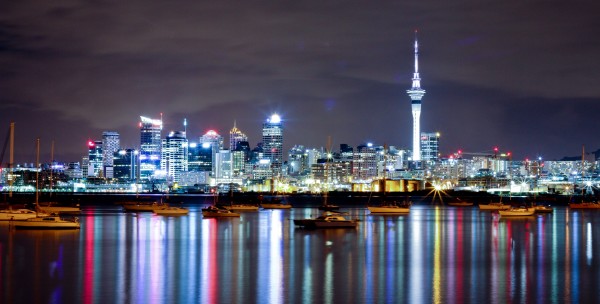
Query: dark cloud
[521, 75]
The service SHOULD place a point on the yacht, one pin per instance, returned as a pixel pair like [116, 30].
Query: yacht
[212, 211]
[520, 211]
[49, 222]
[19, 214]
[325, 221]
[494, 206]
[171, 211]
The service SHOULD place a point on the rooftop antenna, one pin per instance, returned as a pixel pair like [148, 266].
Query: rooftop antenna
[185, 126]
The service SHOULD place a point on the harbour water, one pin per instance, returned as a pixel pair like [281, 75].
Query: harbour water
[432, 255]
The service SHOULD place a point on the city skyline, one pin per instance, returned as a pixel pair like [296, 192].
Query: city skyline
[496, 75]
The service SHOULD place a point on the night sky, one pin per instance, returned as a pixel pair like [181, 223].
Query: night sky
[520, 75]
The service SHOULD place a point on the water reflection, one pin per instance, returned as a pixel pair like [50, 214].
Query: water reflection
[434, 254]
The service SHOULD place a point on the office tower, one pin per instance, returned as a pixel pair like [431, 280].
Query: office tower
[223, 165]
[215, 141]
[430, 143]
[174, 158]
[110, 145]
[272, 139]
[364, 163]
[150, 145]
[236, 136]
[125, 164]
[200, 157]
[94, 167]
[416, 94]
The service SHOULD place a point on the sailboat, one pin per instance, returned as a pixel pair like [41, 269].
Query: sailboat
[10, 214]
[46, 222]
[215, 210]
[387, 207]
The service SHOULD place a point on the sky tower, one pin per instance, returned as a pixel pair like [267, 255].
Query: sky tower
[416, 94]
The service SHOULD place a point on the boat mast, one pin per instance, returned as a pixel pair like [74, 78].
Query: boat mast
[11, 158]
[37, 172]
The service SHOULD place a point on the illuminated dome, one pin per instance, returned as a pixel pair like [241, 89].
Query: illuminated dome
[211, 133]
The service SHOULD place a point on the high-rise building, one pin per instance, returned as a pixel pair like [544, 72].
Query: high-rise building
[364, 163]
[150, 145]
[272, 139]
[110, 145]
[125, 164]
[94, 167]
[236, 136]
[200, 157]
[174, 158]
[430, 143]
[215, 141]
[416, 94]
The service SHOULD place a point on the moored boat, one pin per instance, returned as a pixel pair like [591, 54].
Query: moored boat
[585, 205]
[171, 211]
[241, 207]
[519, 211]
[389, 209]
[494, 206]
[212, 211]
[326, 221]
[49, 222]
[53, 208]
[144, 206]
[543, 209]
[19, 214]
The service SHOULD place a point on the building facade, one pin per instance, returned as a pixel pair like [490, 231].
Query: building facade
[272, 139]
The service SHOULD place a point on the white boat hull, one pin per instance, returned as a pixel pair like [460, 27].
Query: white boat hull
[171, 211]
[494, 206]
[517, 212]
[276, 206]
[388, 209]
[17, 214]
[51, 222]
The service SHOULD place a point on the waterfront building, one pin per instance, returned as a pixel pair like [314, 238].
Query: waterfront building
[236, 136]
[238, 159]
[94, 164]
[223, 165]
[150, 146]
[174, 158]
[430, 143]
[110, 145]
[416, 94]
[272, 139]
[298, 160]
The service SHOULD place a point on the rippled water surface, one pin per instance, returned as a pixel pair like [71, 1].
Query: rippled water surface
[434, 254]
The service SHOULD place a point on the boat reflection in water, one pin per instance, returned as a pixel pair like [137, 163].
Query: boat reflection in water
[433, 254]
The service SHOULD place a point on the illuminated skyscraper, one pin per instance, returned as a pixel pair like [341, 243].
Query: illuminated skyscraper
[174, 158]
[94, 167]
[272, 137]
[110, 145]
[416, 94]
[150, 145]
[213, 140]
[430, 143]
[236, 136]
